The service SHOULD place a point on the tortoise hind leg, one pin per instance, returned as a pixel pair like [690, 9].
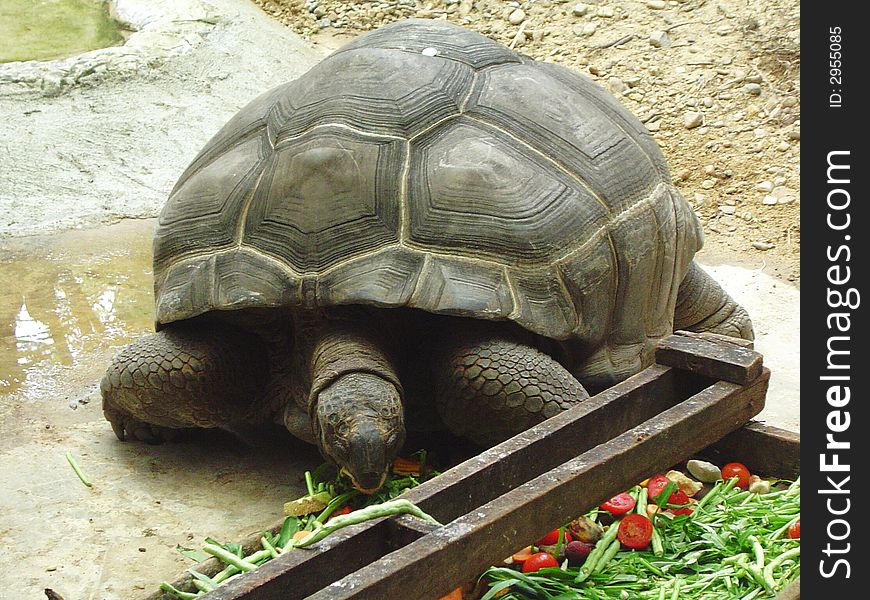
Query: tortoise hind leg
[702, 305]
[490, 385]
[182, 377]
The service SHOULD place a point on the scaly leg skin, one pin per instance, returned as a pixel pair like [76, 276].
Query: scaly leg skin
[702, 305]
[491, 385]
[188, 375]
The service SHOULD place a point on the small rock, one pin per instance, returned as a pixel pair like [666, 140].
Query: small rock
[517, 17]
[704, 471]
[708, 184]
[605, 12]
[51, 568]
[692, 120]
[709, 169]
[789, 101]
[769, 200]
[765, 186]
[616, 85]
[782, 146]
[752, 89]
[580, 9]
[656, 4]
[632, 82]
[763, 245]
[780, 180]
[728, 210]
[794, 133]
[684, 174]
[708, 102]
[659, 39]
[589, 29]
[781, 191]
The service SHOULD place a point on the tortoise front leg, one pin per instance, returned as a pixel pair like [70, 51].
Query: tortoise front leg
[491, 385]
[184, 376]
[702, 305]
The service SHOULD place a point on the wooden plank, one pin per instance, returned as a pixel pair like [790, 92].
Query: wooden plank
[484, 535]
[767, 450]
[718, 338]
[726, 362]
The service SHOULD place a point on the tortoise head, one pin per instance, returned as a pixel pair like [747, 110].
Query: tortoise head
[359, 423]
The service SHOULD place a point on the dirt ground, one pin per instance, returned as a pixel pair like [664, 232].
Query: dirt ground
[721, 93]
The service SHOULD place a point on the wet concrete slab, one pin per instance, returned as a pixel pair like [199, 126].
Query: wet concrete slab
[74, 299]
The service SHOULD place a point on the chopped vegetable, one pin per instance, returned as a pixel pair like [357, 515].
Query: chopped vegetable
[739, 471]
[734, 545]
[585, 529]
[576, 552]
[538, 561]
[552, 538]
[521, 556]
[619, 504]
[688, 486]
[75, 467]
[307, 504]
[794, 530]
[635, 531]
[656, 485]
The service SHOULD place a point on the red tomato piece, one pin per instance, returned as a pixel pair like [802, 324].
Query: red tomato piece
[552, 538]
[794, 530]
[656, 485]
[619, 504]
[538, 561]
[739, 471]
[344, 510]
[682, 499]
[635, 531]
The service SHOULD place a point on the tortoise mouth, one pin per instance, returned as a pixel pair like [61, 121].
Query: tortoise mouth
[368, 479]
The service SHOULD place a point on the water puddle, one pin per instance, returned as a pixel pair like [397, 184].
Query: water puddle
[50, 29]
[70, 295]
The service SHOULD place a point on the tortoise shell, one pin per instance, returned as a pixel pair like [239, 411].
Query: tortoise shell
[426, 166]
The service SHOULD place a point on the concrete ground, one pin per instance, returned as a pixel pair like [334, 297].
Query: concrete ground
[98, 153]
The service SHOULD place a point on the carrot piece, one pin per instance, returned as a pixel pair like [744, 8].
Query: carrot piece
[406, 466]
[521, 556]
[454, 595]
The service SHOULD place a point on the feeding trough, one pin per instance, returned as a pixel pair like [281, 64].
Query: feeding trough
[698, 396]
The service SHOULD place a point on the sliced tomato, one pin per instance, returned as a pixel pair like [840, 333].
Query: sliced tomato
[680, 498]
[538, 561]
[552, 538]
[739, 471]
[656, 485]
[635, 531]
[344, 510]
[619, 504]
[794, 530]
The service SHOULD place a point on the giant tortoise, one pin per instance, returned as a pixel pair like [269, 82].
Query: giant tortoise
[426, 229]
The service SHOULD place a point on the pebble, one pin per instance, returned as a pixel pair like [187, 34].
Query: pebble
[617, 85]
[789, 101]
[769, 200]
[605, 12]
[728, 210]
[753, 89]
[656, 4]
[517, 17]
[588, 29]
[765, 186]
[795, 133]
[782, 146]
[780, 180]
[708, 102]
[704, 471]
[580, 9]
[659, 39]
[763, 246]
[51, 568]
[708, 184]
[684, 174]
[692, 120]
[709, 169]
